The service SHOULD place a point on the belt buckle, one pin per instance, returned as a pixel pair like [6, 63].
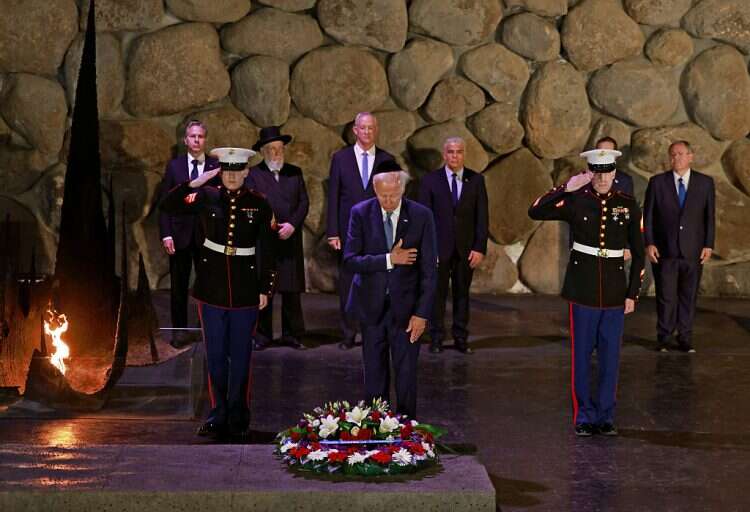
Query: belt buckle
[602, 253]
[230, 251]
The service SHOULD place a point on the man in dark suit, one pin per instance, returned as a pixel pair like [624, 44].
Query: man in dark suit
[679, 230]
[623, 181]
[391, 249]
[349, 183]
[284, 188]
[458, 200]
[181, 234]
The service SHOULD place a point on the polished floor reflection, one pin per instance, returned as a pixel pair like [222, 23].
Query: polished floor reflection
[684, 441]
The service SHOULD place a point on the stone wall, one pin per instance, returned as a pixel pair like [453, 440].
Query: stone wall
[527, 83]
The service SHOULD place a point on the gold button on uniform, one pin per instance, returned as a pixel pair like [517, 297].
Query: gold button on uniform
[601, 243]
[231, 217]
[231, 225]
[229, 242]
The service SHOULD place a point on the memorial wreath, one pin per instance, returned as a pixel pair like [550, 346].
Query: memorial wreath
[367, 440]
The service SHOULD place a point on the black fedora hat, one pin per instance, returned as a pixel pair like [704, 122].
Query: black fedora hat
[270, 134]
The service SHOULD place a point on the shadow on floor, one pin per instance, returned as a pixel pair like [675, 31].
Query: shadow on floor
[516, 493]
[692, 440]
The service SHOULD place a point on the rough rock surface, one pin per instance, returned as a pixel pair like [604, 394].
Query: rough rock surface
[227, 127]
[458, 22]
[736, 162]
[732, 236]
[333, 84]
[610, 127]
[134, 145]
[27, 45]
[395, 127]
[669, 47]
[657, 12]
[454, 98]
[426, 146]
[649, 146]
[289, 5]
[542, 264]
[260, 89]
[413, 71]
[726, 280]
[496, 273]
[154, 88]
[257, 34]
[312, 146]
[110, 72]
[513, 184]
[497, 70]
[119, 15]
[35, 108]
[716, 87]
[557, 113]
[725, 20]
[531, 36]
[598, 32]
[635, 91]
[215, 11]
[549, 8]
[498, 127]
[379, 24]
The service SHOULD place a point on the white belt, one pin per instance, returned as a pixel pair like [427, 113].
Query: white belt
[595, 251]
[229, 251]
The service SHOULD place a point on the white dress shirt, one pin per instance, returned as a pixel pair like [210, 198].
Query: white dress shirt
[358, 153]
[459, 179]
[394, 221]
[685, 181]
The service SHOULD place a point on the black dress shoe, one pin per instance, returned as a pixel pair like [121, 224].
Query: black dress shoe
[261, 343]
[436, 348]
[347, 344]
[606, 429]
[212, 429]
[293, 342]
[685, 346]
[463, 347]
[584, 430]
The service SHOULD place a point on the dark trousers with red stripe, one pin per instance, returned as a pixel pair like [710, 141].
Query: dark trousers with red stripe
[600, 329]
[228, 334]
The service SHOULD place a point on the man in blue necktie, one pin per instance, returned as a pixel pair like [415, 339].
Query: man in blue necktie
[679, 228]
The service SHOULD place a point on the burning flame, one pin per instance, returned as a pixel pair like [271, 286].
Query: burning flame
[55, 325]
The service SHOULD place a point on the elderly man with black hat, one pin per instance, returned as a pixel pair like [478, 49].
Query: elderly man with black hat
[283, 186]
[603, 222]
[228, 287]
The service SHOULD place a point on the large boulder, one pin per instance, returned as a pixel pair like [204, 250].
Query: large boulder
[322, 267]
[531, 36]
[133, 193]
[227, 127]
[719, 280]
[426, 146]
[732, 242]
[635, 91]
[260, 89]
[454, 98]
[27, 42]
[456, 22]
[669, 47]
[163, 74]
[394, 128]
[725, 20]
[610, 127]
[716, 88]
[290, 5]
[598, 32]
[312, 146]
[513, 183]
[542, 264]
[258, 34]
[215, 11]
[550, 8]
[379, 24]
[413, 71]
[124, 15]
[657, 12]
[21, 168]
[110, 72]
[134, 145]
[649, 147]
[35, 238]
[316, 214]
[333, 84]
[35, 108]
[498, 127]
[557, 112]
[736, 162]
[496, 274]
[497, 70]
[46, 197]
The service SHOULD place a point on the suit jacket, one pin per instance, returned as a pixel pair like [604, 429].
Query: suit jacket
[624, 183]
[183, 228]
[411, 287]
[345, 188]
[679, 232]
[464, 228]
[289, 202]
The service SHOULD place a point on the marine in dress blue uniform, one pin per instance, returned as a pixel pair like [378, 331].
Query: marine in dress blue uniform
[603, 222]
[229, 286]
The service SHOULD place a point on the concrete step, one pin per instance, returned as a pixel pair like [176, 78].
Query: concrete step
[218, 477]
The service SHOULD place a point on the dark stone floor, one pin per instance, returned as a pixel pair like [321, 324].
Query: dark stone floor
[684, 441]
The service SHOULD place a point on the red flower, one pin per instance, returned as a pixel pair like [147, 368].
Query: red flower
[382, 458]
[313, 436]
[364, 434]
[428, 437]
[296, 436]
[376, 416]
[415, 448]
[337, 456]
[309, 428]
[352, 450]
[342, 416]
[406, 431]
[315, 446]
[345, 436]
[299, 451]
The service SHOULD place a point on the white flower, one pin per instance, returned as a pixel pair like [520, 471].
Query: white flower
[317, 455]
[356, 458]
[414, 423]
[355, 431]
[388, 425]
[287, 446]
[356, 415]
[389, 439]
[428, 450]
[316, 423]
[402, 457]
[328, 426]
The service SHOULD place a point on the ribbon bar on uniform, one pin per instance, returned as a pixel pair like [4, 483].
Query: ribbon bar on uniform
[230, 251]
[595, 251]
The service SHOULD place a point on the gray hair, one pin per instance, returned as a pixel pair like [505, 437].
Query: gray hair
[454, 140]
[402, 177]
[361, 115]
[195, 122]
